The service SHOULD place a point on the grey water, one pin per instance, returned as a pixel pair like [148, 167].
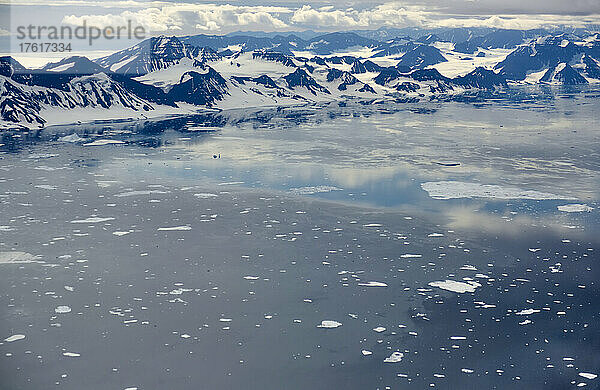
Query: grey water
[205, 252]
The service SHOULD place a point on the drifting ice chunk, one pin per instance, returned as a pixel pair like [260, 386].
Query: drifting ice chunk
[575, 208]
[62, 309]
[174, 228]
[394, 357]
[93, 220]
[102, 142]
[329, 324]
[14, 337]
[17, 258]
[373, 284]
[458, 189]
[454, 286]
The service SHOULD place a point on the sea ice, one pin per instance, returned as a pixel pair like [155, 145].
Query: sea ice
[454, 286]
[373, 284]
[71, 138]
[93, 220]
[174, 228]
[575, 208]
[14, 337]
[458, 189]
[17, 258]
[313, 190]
[206, 195]
[394, 357]
[62, 309]
[329, 324]
[527, 312]
[102, 142]
[588, 375]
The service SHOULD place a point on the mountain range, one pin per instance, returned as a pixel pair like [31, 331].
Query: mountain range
[178, 75]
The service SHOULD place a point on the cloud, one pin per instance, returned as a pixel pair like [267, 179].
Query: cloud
[178, 17]
[390, 14]
[164, 17]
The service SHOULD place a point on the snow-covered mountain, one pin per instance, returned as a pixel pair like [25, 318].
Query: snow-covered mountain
[179, 75]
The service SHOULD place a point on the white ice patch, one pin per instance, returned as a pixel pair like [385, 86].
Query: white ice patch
[366, 353]
[313, 190]
[205, 195]
[62, 309]
[458, 189]
[71, 354]
[102, 142]
[14, 337]
[137, 193]
[379, 329]
[17, 258]
[93, 220]
[410, 255]
[71, 138]
[174, 228]
[588, 375]
[454, 286]
[329, 324]
[575, 208]
[119, 234]
[373, 284]
[527, 312]
[394, 357]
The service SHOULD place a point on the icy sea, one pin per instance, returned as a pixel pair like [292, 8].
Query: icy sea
[451, 245]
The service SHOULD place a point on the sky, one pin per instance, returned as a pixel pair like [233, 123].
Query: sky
[186, 17]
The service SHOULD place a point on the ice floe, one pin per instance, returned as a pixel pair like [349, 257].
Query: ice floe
[454, 286]
[588, 375]
[394, 357]
[575, 208]
[72, 138]
[379, 329]
[527, 312]
[313, 190]
[14, 337]
[62, 309]
[205, 195]
[71, 354]
[458, 189]
[102, 142]
[140, 192]
[329, 324]
[373, 284]
[93, 220]
[174, 228]
[17, 257]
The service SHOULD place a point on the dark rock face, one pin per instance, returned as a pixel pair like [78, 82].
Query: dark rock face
[421, 57]
[504, 39]
[564, 74]
[199, 88]
[275, 57]
[538, 56]
[481, 78]
[299, 78]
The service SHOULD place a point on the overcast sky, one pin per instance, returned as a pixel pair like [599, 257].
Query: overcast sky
[184, 17]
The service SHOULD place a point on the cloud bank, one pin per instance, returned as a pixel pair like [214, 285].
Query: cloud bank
[165, 17]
